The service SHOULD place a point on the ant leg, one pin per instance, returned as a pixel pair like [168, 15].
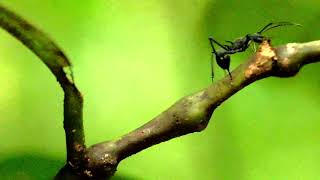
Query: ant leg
[214, 41]
[212, 70]
[230, 42]
[229, 46]
[254, 47]
[229, 74]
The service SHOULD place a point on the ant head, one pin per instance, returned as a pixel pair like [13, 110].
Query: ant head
[257, 37]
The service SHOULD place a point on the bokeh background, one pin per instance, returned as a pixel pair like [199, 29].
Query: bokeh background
[133, 59]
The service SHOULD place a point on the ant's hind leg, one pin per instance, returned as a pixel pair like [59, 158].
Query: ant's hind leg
[214, 41]
[212, 69]
[229, 73]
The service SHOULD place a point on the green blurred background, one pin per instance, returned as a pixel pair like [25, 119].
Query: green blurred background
[133, 59]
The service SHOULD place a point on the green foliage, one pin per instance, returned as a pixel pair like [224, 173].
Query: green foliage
[133, 60]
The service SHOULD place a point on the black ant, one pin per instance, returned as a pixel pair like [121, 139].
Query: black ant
[240, 45]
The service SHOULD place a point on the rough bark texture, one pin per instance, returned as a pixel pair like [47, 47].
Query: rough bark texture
[190, 114]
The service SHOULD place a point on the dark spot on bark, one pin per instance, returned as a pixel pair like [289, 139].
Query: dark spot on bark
[204, 95]
[178, 122]
[79, 147]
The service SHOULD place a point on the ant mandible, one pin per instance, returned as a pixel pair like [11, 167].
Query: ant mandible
[240, 45]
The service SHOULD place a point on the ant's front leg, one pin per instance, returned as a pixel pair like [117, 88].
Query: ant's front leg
[230, 42]
[254, 47]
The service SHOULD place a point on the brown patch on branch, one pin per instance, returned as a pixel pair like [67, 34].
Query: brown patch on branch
[261, 61]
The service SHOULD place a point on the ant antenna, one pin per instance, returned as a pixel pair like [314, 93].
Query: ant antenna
[277, 24]
[268, 25]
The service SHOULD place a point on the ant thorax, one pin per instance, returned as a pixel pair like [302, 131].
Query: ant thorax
[240, 44]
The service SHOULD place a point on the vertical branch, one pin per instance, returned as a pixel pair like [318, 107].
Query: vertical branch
[60, 66]
[73, 126]
[73, 122]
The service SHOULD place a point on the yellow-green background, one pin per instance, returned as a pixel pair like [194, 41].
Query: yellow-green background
[133, 59]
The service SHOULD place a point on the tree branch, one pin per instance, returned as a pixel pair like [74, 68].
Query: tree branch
[190, 114]
[60, 66]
